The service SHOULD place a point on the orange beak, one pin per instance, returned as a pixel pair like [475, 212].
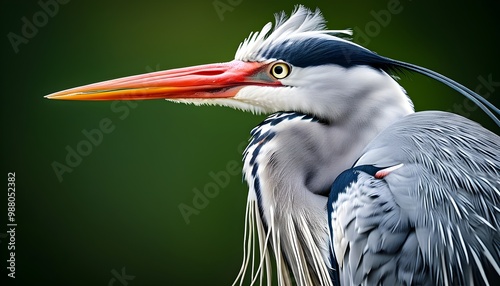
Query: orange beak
[222, 80]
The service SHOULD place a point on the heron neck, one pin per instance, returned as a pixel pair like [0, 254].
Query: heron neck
[367, 111]
[290, 165]
[292, 161]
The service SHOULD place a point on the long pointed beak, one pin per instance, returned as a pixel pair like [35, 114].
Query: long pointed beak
[205, 81]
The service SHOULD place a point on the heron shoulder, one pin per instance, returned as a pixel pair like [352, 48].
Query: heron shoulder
[443, 202]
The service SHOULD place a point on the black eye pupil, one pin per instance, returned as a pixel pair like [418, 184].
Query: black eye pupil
[278, 70]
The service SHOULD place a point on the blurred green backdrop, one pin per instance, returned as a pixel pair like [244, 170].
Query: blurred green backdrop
[117, 211]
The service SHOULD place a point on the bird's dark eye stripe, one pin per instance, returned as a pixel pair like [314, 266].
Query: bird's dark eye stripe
[318, 51]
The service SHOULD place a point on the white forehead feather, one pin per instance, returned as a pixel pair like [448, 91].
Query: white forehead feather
[302, 23]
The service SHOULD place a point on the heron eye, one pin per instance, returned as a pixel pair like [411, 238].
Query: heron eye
[280, 70]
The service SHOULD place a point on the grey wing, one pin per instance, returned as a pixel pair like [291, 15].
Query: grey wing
[435, 219]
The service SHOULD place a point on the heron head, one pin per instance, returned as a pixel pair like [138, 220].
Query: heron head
[296, 65]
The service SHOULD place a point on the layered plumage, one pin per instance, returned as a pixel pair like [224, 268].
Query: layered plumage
[434, 219]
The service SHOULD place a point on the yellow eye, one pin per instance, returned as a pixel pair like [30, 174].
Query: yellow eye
[280, 70]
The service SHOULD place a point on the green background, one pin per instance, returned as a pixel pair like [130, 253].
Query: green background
[119, 207]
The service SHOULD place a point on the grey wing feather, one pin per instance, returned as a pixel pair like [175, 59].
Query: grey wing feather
[377, 237]
[436, 219]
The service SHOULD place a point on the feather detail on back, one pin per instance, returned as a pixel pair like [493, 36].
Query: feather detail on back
[435, 220]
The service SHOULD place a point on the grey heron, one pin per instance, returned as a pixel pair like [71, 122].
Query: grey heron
[347, 184]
